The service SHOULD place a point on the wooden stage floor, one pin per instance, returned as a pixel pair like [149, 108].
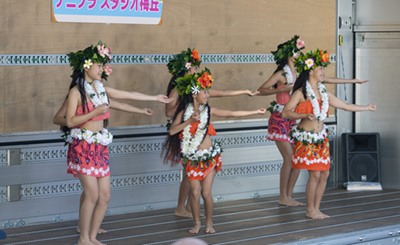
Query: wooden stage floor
[250, 221]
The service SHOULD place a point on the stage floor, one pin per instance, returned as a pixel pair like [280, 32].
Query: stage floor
[250, 221]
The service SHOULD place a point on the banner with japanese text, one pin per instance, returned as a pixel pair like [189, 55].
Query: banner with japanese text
[108, 11]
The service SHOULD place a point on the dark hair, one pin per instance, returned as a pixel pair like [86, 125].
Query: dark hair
[301, 82]
[172, 145]
[171, 85]
[78, 78]
[281, 65]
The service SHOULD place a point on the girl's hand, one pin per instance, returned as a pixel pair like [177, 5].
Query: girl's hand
[287, 88]
[251, 94]
[311, 117]
[101, 109]
[261, 111]
[371, 107]
[195, 116]
[360, 81]
[164, 99]
[148, 111]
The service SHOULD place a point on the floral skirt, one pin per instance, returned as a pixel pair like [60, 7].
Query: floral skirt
[279, 127]
[311, 156]
[87, 159]
[198, 170]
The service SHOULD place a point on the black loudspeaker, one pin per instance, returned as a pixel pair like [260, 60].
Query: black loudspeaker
[361, 156]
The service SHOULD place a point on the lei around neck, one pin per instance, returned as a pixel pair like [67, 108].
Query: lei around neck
[98, 98]
[191, 142]
[322, 113]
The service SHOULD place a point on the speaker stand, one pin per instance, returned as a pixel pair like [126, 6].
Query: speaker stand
[363, 186]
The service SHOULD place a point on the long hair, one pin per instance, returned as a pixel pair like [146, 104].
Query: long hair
[78, 79]
[171, 86]
[301, 82]
[172, 145]
[281, 65]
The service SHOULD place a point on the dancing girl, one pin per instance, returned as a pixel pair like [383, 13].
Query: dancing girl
[86, 111]
[189, 138]
[187, 62]
[281, 84]
[310, 102]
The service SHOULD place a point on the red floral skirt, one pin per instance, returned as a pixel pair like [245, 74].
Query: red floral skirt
[311, 156]
[198, 170]
[87, 159]
[279, 127]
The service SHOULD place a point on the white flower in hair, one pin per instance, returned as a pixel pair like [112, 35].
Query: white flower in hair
[195, 89]
[88, 63]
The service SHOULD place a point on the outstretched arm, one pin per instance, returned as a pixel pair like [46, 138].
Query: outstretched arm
[227, 113]
[125, 95]
[225, 93]
[334, 80]
[340, 104]
[295, 99]
[266, 88]
[128, 108]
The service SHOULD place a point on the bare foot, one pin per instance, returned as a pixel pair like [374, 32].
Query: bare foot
[100, 231]
[210, 229]
[183, 213]
[290, 202]
[324, 215]
[314, 215]
[196, 228]
[96, 242]
[296, 202]
[85, 242]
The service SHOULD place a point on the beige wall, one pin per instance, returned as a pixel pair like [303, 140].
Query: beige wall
[31, 95]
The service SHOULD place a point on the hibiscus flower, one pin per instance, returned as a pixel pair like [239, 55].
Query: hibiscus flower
[195, 55]
[325, 57]
[204, 80]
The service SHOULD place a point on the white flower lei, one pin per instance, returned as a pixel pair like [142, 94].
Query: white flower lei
[289, 74]
[98, 98]
[319, 114]
[308, 137]
[102, 137]
[206, 154]
[189, 144]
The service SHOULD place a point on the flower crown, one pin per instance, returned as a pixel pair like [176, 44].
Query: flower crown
[289, 49]
[92, 54]
[184, 61]
[311, 60]
[193, 83]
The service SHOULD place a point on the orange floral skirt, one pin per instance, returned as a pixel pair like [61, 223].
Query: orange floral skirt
[198, 170]
[311, 156]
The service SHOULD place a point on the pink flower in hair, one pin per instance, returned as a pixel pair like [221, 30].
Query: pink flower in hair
[300, 44]
[107, 70]
[101, 50]
[107, 51]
